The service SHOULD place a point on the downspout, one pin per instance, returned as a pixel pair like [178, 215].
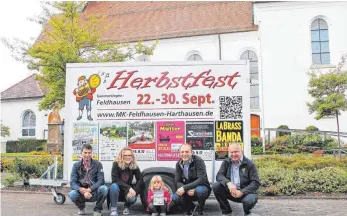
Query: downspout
[214, 150]
[262, 86]
[220, 48]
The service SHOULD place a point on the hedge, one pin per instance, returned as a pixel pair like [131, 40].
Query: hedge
[30, 166]
[300, 174]
[25, 145]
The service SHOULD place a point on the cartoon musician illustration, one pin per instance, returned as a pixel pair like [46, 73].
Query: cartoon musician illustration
[84, 94]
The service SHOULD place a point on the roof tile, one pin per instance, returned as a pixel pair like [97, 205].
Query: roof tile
[27, 88]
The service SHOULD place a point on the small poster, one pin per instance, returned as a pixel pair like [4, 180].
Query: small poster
[227, 132]
[84, 133]
[158, 198]
[112, 138]
[141, 139]
[200, 135]
[170, 136]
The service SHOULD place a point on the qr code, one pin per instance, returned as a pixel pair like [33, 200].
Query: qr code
[230, 107]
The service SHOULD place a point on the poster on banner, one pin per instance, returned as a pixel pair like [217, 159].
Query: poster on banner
[141, 139]
[112, 138]
[227, 132]
[200, 135]
[170, 136]
[84, 133]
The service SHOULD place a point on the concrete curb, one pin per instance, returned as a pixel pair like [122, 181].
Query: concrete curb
[210, 198]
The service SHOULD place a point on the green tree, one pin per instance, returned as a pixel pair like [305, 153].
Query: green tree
[329, 93]
[68, 36]
[5, 131]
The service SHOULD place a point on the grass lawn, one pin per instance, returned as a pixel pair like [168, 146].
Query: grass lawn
[15, 154]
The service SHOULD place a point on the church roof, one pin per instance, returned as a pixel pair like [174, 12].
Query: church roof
[27, 88]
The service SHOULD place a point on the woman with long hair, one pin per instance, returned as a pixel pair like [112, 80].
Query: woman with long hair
[123, 170]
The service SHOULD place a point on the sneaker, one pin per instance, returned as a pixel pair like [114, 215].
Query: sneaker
[226, 214]
[154, 214]
[126, 210]
[81, 211]
[114, 213]
[97, 214]
[162, 214]
[189, 213]
[192, 210]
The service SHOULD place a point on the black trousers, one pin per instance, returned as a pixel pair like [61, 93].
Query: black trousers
[222, 195]
[157, 209]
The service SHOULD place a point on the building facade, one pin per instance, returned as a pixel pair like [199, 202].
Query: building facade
[282, 41]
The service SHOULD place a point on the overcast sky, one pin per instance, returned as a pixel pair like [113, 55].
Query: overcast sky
[14, 23]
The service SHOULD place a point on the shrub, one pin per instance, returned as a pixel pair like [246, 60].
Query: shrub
[313, 140]
[293, 175]
[7, 164]
[44, 153]
[300, 161]
[325, 180]
[329, 142]
[9, 181]
[291, 184]
[25, 170]
[25, 145]
[311, 128]
[258, 150]
[278, 133]
[28, 167]
[256, 141]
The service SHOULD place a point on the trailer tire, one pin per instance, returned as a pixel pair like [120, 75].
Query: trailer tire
[169, 183]
[60, 199]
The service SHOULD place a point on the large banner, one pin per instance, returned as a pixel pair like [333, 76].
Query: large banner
[170, 136]
[112, 138]
[200, 135]
[133, 93]
[84, 133]
[128, 103]
[227, 132]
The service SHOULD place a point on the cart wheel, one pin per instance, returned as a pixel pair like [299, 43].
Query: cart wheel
[60, 199]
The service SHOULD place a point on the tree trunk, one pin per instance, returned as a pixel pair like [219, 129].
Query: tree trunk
[338, 133]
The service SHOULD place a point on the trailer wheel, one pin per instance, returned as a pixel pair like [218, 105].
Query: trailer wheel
[60, 199]
[169, 182]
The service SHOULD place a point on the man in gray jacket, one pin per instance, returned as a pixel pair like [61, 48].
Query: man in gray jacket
[87, 182]
[237, 180]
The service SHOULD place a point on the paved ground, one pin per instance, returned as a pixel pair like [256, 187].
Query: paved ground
[42, 205]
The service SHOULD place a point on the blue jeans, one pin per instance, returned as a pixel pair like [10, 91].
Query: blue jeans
[201, 194]
[222, 195]
[99, 196]
[117, 195]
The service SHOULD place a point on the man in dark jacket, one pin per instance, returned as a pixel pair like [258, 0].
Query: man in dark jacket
[87, 182]
[237, 180]
[191, 181]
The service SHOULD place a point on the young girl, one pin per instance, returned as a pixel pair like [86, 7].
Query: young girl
[157, 185]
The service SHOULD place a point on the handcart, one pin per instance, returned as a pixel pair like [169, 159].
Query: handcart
[51, 183]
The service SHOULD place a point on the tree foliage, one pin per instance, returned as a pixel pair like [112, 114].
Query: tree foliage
[5, 131]
[329, 93]
[69, 36]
